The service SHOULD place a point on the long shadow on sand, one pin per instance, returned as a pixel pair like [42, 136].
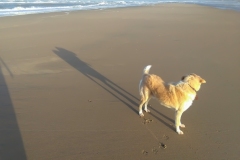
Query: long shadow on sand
[11, 144]
[108, 85]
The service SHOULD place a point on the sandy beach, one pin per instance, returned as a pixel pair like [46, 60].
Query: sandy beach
[69, 84]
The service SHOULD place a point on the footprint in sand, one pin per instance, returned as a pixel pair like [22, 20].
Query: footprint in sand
[144, 152]
[146, 121]
[154, 150]
[162, 145]
[165, 137]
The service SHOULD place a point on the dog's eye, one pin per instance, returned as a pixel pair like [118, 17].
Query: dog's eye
[183, 78]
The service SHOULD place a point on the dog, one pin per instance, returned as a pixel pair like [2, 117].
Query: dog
[178, 96]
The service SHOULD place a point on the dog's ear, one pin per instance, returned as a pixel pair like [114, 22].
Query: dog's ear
[202, 81]
[183, 78]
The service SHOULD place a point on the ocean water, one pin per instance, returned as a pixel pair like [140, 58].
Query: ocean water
[22, 7]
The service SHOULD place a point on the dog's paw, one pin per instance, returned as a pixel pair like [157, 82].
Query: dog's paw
[180, 132]
[141, 114]
[147, 110]
[182, 125]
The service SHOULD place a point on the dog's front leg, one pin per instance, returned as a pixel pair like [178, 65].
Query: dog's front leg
[178, 124]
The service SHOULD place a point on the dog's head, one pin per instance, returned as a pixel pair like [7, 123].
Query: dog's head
[193, 80]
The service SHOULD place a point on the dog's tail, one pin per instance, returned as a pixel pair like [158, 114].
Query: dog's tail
[146, 69]
[145, 72]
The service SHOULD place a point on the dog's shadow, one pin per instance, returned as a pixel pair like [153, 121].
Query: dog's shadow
[170, 125]
[118, 92]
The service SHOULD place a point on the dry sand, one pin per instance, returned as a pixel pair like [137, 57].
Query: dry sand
[69, 83]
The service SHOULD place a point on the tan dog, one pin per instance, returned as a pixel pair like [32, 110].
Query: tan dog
[178, 96]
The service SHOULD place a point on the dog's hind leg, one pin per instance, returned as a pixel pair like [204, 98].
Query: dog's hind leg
[144, 99]
[178, 124]
[146, 105]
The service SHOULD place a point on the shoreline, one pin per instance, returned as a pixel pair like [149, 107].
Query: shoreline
[69, 11]
[69, 83]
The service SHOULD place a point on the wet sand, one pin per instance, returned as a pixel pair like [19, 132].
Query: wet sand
[69, 83]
